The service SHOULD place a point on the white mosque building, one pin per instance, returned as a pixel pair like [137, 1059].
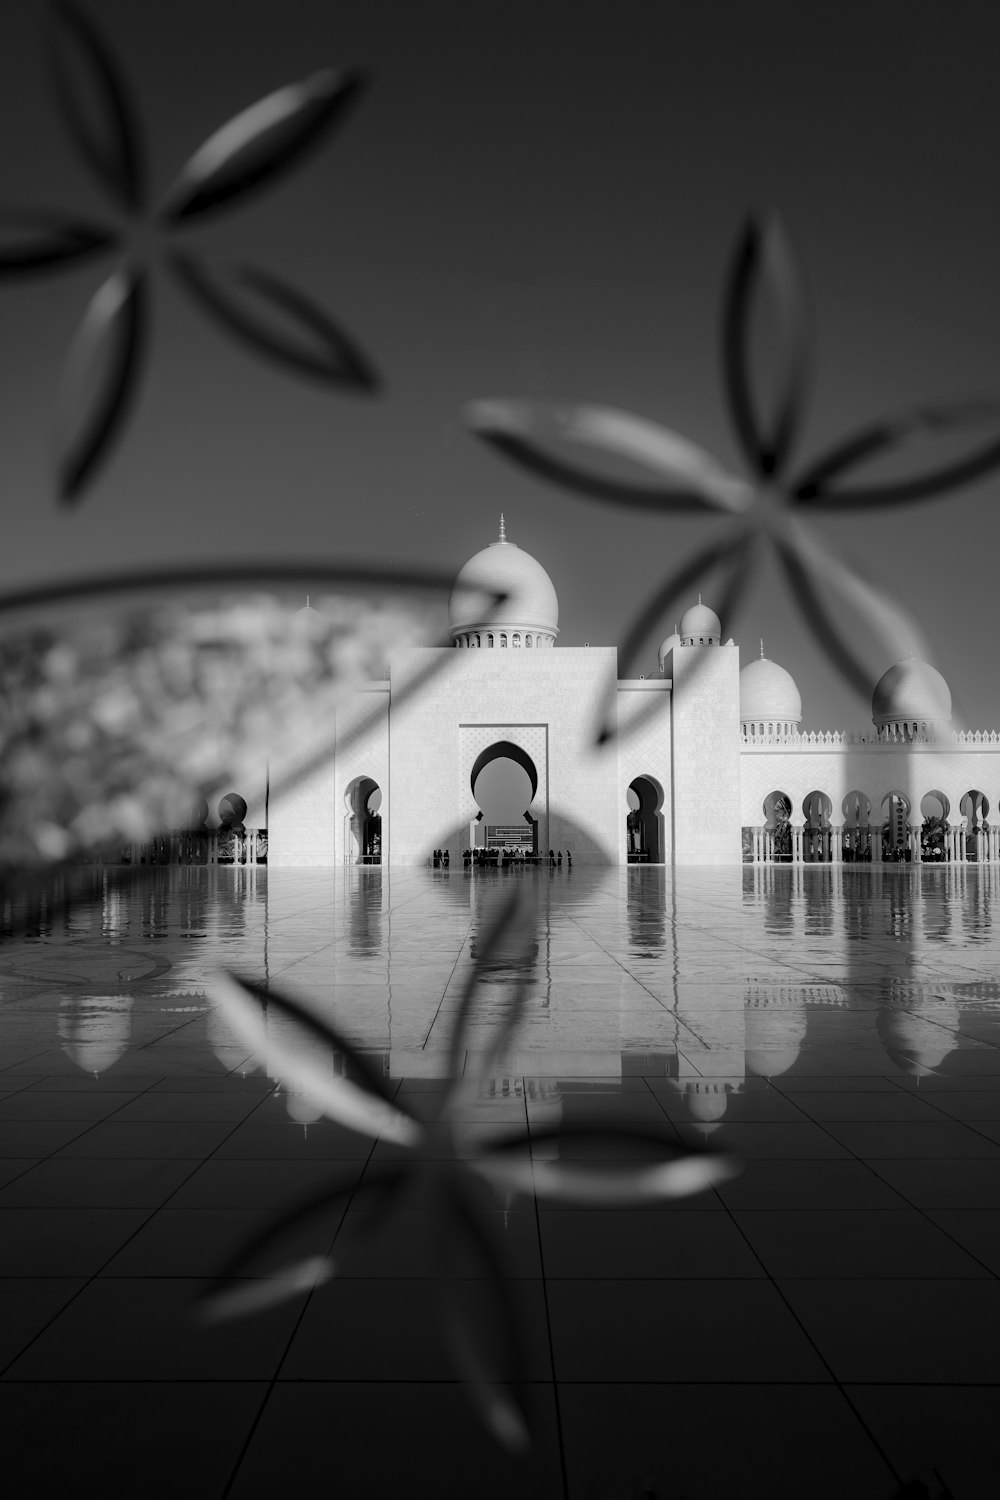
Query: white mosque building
[709, 765]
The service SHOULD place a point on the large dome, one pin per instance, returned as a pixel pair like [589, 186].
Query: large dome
[528, 615]
[911, 692]
[768, 693]
[701, 626]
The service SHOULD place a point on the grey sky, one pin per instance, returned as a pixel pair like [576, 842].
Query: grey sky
[533, 200]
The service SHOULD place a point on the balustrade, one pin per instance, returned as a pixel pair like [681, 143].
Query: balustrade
[198, 846]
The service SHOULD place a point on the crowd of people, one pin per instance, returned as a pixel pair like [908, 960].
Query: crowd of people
[501, 857]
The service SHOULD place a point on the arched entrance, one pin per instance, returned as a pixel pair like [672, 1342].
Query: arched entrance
[974, 807]
[816, 834]
[895, 832]
[504, 783]
[856, 809]
[934, 809]
[644, 821]
[363, 833]
[778, 828]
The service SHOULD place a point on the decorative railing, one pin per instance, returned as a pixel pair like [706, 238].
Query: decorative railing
[843, 844]
[196, 846]
[869, 739]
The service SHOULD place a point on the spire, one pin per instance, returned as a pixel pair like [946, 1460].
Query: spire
[307, 601]
[503, 534]
[699, 598]
[762, 648]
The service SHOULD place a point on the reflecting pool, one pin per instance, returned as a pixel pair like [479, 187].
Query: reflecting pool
[824, 1323]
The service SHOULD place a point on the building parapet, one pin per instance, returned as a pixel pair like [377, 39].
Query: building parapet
[965, 739]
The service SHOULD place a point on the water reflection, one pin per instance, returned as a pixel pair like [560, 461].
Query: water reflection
[717, 981]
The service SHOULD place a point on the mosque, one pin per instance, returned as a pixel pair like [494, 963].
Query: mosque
[709, 765]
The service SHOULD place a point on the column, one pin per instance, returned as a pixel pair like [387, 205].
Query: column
[797, 843]
[914, 830]
[837, 844]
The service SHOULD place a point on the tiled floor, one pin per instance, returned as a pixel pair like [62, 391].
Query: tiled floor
[824, 1324]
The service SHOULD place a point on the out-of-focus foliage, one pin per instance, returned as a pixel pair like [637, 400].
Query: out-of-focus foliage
[115, 723]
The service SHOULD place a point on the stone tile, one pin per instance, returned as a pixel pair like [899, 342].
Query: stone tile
[673, 1331]
[850, 1244]
[901, 1331]
[437, 1443]
[108, 1431]
[628, 1439]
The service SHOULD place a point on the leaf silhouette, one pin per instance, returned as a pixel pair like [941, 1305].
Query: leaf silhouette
[804, 586]
[609, 1184]
[34, 240]
[481, 1324]
[684, 476]
[765, 263]
[95, 104]
[369, 1110]
[508, 925]
[814, 488]
[245, 300]
[733, 554]
[242, 1287]
[893, 629]
[262, 140]
[99, 378]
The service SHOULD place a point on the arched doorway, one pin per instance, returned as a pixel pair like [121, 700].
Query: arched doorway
[934, 809]
[895, 832]
[778, 828]
[974, 808]
[644, 821]
[363, 833]
[857, 810]
[504, 781]
[816, 835]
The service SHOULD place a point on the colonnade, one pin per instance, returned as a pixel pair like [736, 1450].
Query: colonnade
[987, 843]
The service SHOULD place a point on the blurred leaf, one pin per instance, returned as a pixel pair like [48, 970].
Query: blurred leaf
[688, 478]
[245, 301]
[508, 925]
[369, 1110]
[482, 1326]
[798, 570]
[243, 1286]
[100, 378]
[884, 437]
[34, 240]
[267, 138]
[607, 1184]
[240, 1298]
[95, 104]
[765, 265]
[734, 554]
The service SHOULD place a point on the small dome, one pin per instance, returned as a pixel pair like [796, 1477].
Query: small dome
[911, 690]
[502, 568]
[666, 647]
[699, 623]
[768, 692]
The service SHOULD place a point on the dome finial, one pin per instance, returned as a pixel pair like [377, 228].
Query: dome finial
[762, 648]
[503, 533]
[307, 601]
[699, 598]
